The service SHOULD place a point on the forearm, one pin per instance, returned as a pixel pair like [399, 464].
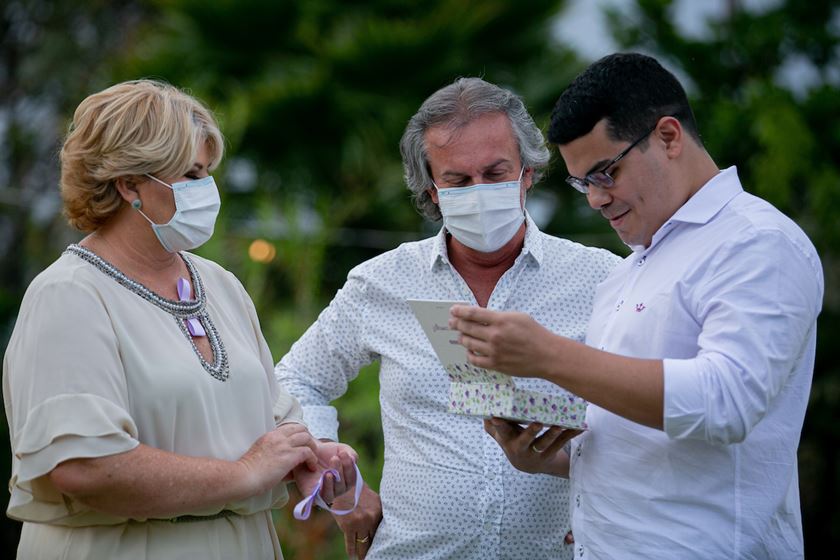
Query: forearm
[629, 387]
[150, 483]
[516, 344]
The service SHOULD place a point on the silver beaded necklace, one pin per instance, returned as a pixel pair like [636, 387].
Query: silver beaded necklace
[180, 310]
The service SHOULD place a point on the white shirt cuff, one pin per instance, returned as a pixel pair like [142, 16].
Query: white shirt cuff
[322, 421]
[684, 412]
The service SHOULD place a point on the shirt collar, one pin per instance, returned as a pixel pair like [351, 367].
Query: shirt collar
[533, 246]
[706, 202]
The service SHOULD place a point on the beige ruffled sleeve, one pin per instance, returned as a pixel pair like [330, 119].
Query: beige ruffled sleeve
[65, 396]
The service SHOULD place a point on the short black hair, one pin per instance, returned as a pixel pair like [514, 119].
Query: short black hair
[631, 90]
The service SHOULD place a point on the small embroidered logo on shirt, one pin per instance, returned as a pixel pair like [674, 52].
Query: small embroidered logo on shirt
[640, 307]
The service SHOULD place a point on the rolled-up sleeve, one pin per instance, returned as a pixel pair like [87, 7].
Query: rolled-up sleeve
[757, 317]
[327, 357]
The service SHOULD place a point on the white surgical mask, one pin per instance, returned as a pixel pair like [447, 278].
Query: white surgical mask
[197, 205]
[483, 217]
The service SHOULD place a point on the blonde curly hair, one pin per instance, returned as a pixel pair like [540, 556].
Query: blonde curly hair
[129, 129]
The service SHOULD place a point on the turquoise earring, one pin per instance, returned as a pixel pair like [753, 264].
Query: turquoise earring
[136, 204]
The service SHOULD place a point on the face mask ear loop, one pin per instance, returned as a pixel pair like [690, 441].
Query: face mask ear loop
[138, 207]
[159, 181]
[143, 213]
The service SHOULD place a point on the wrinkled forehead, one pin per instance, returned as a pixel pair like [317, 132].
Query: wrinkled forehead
[479, 134]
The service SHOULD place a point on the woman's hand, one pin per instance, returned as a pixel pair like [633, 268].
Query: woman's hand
[276, 454]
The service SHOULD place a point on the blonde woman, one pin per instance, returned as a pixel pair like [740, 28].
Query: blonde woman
[145, 418]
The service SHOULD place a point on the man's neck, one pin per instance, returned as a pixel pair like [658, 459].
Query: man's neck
[481, 271]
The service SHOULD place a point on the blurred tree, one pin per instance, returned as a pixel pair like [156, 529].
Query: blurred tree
[313, 98]
[764, 86]
[52, 54]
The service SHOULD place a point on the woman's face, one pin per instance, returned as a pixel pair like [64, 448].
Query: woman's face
[158, 200]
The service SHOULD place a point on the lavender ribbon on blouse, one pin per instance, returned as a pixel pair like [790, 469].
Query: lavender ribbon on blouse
[304, 507]
[185, 294]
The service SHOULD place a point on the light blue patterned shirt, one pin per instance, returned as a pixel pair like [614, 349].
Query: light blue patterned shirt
[447, 489]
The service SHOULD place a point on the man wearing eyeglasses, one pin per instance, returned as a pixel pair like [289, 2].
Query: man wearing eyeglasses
[700, 350]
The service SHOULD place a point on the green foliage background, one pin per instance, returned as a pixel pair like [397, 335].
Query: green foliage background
[313, 97]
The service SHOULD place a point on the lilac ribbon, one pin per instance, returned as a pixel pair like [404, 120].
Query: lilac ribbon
[185, 294]
[304, 507]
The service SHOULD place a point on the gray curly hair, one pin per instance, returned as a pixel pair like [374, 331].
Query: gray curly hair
[454, 106]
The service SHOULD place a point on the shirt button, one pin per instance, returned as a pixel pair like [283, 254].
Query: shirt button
[641, 261]
[578, 450]
[580, 550]
[577, 500]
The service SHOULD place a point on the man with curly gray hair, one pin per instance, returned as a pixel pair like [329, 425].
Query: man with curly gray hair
[453, 107]
[471, 153]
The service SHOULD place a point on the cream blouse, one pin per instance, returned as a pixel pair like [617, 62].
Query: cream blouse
[92, 369]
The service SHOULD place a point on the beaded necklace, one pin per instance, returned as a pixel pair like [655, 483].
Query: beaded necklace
[180, 310]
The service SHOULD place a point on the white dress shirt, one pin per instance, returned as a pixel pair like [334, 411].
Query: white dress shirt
[447, 489]
[727, 294]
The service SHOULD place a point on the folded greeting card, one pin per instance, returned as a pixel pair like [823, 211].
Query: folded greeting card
[483, 392]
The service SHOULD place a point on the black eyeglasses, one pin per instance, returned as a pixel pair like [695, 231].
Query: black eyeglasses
[601, 178]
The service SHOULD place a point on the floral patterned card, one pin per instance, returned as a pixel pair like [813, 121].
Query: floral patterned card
[483, 392]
